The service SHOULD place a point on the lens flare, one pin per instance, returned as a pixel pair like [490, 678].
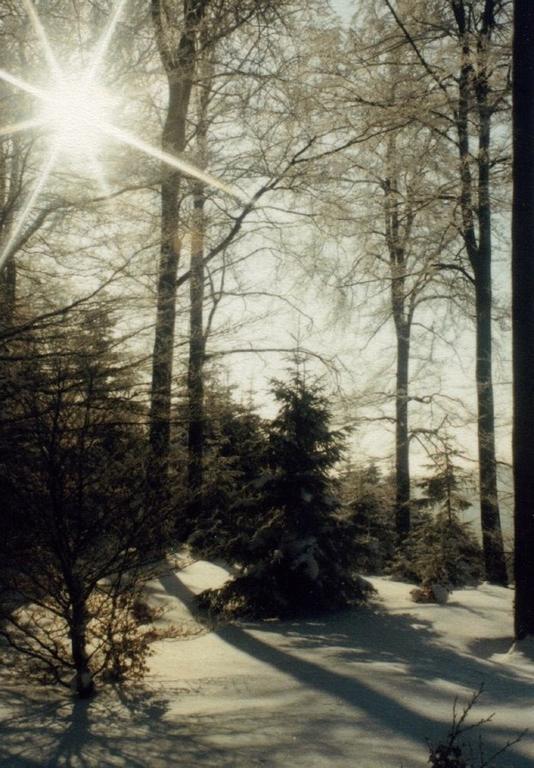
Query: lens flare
[77, 111]
[18, 226]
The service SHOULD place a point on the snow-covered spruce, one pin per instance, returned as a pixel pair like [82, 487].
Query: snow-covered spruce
[296, 554]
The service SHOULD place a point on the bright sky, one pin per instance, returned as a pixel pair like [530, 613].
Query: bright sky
[344, 8]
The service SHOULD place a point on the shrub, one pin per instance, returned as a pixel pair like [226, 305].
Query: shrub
[440, 550]
[455, 752]
[73, 550]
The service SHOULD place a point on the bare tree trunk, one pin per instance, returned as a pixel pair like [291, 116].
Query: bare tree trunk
[8, 291]
[398, 228]
[83, 680]
[162, 361]
[195, 378]
[197, 340]
[180, 68]
[8, 273]
[402, 441]
[492, 541]
[480, 256]
[523, 315]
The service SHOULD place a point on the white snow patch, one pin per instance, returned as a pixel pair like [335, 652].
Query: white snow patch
[520, 656]
[360, 688]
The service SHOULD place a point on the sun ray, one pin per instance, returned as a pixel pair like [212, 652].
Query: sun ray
[24, 125]
[103, 43]
[125, 137]
[99, 176]
[43, 37]
[28, 206]
[22, 85]
[80, 116]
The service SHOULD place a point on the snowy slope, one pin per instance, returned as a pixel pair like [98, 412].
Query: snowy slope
[360, 689]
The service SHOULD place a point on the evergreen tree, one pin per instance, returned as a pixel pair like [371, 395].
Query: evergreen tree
[235, 463]
[300, 556]
[369, 508]
[441, 548]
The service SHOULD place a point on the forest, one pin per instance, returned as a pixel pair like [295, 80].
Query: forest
[266, 382]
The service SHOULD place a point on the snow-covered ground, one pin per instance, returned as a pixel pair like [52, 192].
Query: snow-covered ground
[359, 689]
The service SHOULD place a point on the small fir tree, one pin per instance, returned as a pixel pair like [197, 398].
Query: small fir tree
[369, 509]
[235, 463]
[441, 547]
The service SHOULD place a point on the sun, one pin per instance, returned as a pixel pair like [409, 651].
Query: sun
[77, 110]
[74, 110]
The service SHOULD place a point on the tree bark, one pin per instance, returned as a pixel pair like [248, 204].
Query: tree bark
[8, 273]
[197, 337]
[8, 291]
[480, 257]
[195, 378]
[180, 68]
[492, 541]
[402, 442]
[523, 315]
[83, 680]
[398, 228]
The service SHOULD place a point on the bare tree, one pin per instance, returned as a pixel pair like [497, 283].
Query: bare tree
[390, 196]
[466, 101]
[197, 338]
[182, 31]
[75, 533]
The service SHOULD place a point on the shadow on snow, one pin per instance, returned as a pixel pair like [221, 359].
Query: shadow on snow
[133, 726]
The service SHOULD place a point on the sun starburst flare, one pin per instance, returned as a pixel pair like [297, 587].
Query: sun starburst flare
[76, 109]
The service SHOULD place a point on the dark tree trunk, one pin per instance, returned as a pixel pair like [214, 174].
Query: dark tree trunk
[180, 67]
[481, 261]
[480, 256]
[195, 379]
[398, 224]
[163, 354]
[197, 337]
[8, 286]
[492, 541]
[402, 444]
[8, 272]
[83, 680]
[523, 315]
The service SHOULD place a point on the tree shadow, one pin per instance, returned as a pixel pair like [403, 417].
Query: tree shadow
[70, 746]
[336, 660]
[367, 636]
[121, 727]
[488, 646]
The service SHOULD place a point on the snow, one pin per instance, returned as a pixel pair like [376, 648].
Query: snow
[358, 689]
